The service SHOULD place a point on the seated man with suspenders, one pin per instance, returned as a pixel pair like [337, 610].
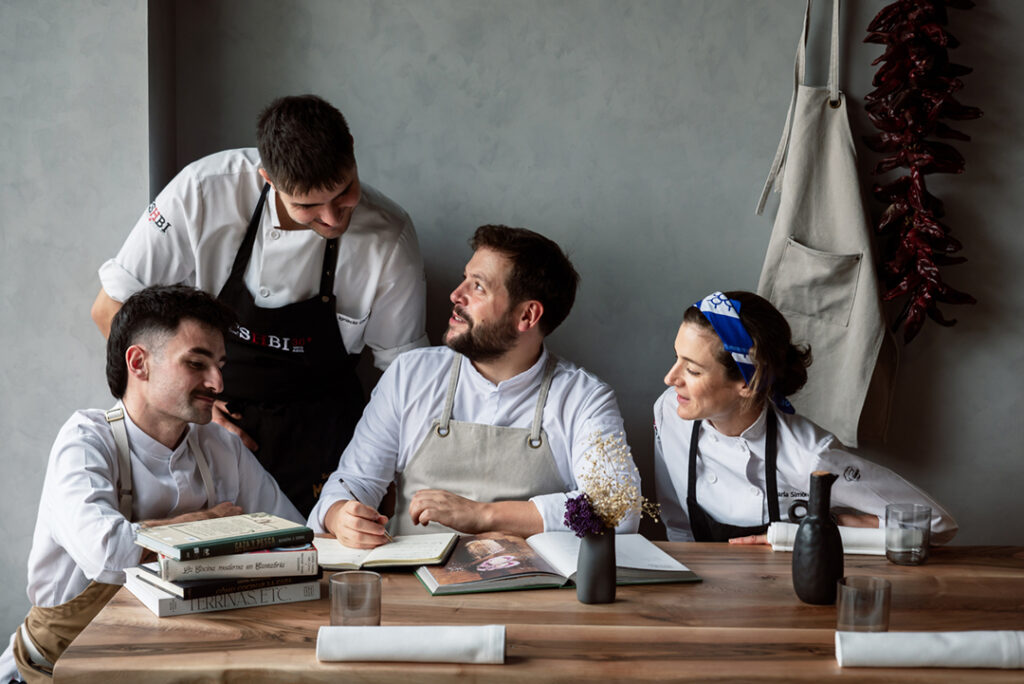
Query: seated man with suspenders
[153, 459]
[491, 431]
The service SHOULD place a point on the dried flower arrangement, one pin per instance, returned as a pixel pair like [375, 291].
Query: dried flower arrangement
[914, 88]
[609, 493]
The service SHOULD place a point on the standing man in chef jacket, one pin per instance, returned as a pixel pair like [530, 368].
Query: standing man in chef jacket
[315, 265]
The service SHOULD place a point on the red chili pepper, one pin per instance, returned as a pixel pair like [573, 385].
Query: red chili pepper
[915, 86]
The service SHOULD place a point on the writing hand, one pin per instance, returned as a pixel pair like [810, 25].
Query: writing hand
[356, 525]
[222, 417]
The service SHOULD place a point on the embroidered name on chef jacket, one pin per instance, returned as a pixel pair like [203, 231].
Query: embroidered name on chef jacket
[296, 345]
[156, 218]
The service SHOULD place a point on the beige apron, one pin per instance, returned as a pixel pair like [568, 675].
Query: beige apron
[47, 632]
[480, 462]
[819, 270]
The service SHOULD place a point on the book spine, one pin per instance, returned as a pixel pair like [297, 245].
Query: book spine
[264, 564]
[224, 548]
[230, 586]
[167, 605]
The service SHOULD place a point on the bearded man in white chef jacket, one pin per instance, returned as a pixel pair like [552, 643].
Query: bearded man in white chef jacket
[487, 433]
[153, 459]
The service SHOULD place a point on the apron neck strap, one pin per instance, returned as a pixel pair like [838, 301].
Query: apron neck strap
[204, 467]
[115, 418]
[245, 249]
[799, 69]
[535, 439]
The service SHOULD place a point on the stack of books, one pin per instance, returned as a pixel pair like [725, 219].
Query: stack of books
[255, 559]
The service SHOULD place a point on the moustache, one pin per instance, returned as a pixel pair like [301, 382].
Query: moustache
[461, 313]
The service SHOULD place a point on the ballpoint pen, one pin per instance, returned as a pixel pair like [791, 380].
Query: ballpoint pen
[355, 498]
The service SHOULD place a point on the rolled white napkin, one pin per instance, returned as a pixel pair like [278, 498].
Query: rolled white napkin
[413, 643]
[1003, 649]
[856, 540]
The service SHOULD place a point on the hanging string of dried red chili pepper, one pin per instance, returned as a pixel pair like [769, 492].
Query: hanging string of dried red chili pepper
[914, 88]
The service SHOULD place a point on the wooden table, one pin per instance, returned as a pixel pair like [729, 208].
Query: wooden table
[743, 622]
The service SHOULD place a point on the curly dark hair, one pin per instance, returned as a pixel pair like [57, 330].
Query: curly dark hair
[780, 366]
[158, 309]
[304, 144]
[540, 270]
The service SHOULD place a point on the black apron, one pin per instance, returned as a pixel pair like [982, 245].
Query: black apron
[704, 527]
[290, 377]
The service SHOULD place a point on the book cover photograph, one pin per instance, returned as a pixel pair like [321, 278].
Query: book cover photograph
[491, 562]
[499, 562]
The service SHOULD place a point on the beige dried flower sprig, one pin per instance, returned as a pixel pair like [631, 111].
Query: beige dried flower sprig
[608, 485]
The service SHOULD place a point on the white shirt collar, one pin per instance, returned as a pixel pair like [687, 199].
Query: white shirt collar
[142, 445]
[524, 379]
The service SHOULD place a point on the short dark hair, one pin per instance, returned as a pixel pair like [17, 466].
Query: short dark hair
[304, 144]
[780, 367]
[540, 270]
[158, 309]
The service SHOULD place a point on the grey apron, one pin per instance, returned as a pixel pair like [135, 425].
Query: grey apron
[480, 462]
[48, 631]
[819, 270]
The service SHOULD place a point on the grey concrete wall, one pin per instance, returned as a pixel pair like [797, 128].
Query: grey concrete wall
[637, 134]
[73, 167]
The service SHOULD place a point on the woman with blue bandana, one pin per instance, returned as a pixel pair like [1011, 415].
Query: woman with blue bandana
[731, 455]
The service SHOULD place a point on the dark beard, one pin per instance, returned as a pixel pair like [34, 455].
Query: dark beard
[485, 342]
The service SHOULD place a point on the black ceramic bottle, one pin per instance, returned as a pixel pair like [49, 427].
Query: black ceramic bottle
[818, 548]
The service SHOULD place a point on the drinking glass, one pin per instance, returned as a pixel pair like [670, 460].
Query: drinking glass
[355, 598]
[863, 604]
[907, 533]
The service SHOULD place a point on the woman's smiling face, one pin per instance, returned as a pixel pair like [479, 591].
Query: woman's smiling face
[703, 390]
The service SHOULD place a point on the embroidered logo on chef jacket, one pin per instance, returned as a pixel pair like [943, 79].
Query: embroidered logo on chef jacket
[851, 474]
[296, 345]
[156, 218]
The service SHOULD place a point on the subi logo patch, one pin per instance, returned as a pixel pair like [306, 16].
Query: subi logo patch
[156, 218]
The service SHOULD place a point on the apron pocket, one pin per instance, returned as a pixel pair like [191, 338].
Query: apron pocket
[352, 332]
[822, 285]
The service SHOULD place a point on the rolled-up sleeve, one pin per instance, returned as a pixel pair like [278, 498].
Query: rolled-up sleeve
[398, 316]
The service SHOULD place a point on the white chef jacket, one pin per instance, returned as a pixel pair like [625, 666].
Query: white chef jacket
[193, 229]
[731, 473]
[80, 534]
[410, 397]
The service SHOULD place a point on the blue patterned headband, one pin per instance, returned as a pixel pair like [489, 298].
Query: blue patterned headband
[724, 316]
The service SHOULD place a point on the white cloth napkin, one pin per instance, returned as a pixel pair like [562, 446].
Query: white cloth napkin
[856, 540]
[1003, 649]
[413, 643]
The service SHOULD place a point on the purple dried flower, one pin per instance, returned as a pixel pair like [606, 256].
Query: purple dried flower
[580, 516]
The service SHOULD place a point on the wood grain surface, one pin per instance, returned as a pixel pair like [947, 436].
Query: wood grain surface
[742, 623]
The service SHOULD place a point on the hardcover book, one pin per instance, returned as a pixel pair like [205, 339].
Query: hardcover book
[276, 562]
[222, 536]
[163, 604]
[190, 589]
[411, 549]
[499, 562]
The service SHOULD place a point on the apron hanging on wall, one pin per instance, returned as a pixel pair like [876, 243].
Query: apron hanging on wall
[819, 270]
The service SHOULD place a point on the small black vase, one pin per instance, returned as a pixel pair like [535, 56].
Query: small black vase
[818, 548]
[595, 568]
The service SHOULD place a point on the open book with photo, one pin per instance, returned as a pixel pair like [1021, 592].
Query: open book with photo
[499, 562]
